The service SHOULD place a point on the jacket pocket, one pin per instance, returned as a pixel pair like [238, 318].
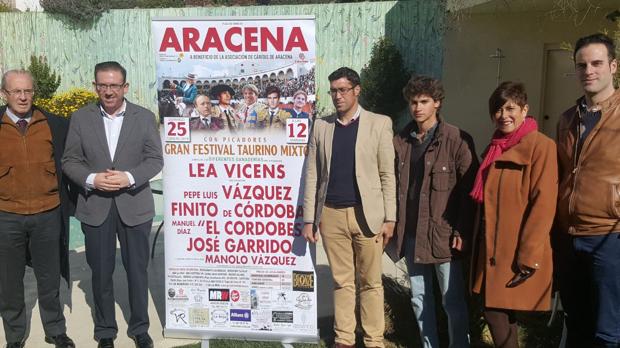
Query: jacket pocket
[614, 202]
[442, 176]
[49, 182]
[6, 183]
[441, 241]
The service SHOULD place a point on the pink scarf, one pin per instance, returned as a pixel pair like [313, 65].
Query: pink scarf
[500, 143]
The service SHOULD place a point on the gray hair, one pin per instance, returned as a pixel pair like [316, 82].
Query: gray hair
[251, 87]
[15, 72]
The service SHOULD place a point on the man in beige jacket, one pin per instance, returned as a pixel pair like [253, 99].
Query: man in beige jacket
[350, 198]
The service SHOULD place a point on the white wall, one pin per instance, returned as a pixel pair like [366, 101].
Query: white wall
[28, 5]
[469, 75]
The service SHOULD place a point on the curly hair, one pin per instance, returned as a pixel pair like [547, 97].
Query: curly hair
[423, 85]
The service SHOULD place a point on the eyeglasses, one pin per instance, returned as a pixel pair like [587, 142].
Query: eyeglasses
[103, 87]
[19, 92]
[342, 91]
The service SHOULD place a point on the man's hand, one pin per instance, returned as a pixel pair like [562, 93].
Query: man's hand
[457, 243]
[118, 177]
[309, 234]
[387, 231]
[102, 182]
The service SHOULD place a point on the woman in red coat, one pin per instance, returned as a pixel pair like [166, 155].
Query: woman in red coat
[516, 187]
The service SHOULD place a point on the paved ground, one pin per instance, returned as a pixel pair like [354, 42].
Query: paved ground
[78, 300]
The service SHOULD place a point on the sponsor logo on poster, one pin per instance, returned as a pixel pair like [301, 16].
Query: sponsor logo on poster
[178, 315]
[199, 316]
[219, 316]
[219, 295]
[253, 299]
[281, 297]
[235, 295]
[240, 315]
[304, 301]
[282, 317]
[303, 281]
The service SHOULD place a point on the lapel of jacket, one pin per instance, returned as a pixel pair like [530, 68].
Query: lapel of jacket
[329, 138]
[96, 120]
[127, 128]
[362, 136]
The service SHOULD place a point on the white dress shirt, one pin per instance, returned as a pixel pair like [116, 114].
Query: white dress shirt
[112, 125]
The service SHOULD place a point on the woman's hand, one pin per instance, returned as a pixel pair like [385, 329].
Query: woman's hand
[525, 269]
[457, 243]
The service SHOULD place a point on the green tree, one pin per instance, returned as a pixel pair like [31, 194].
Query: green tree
[78, 10]
[5, 8]
[383, 79]
[46, 80]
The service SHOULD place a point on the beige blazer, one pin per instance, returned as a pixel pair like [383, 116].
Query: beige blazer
[374, 168]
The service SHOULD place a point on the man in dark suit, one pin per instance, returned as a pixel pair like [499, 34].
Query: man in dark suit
[202, 118]
[34, 210]
[113, 149]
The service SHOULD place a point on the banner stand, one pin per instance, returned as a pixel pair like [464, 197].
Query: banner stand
[205, 344]
[236, 263]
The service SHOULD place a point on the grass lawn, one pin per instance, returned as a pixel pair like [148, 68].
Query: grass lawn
[401, 329]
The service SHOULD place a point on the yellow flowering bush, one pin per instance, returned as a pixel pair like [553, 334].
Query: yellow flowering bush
[66, 103]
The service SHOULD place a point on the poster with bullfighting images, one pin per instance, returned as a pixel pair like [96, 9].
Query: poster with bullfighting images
[236, 98]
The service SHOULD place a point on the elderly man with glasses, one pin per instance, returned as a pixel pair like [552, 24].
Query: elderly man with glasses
[34, 211]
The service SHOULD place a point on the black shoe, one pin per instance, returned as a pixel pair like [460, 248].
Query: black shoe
[60, 341]
[106, 343]
[15, 345]
[143, 340]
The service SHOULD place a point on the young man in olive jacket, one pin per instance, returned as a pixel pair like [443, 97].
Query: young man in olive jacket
[436, 167]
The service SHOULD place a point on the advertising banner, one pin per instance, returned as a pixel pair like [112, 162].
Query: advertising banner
[236, 99]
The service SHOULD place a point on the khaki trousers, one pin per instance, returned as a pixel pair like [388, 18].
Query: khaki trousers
[354, 251]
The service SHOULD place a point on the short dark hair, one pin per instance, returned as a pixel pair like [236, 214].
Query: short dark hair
[111, 65]
[272, 89]
[423, 85]
[347, 73]
[507, 90]
[597, 38]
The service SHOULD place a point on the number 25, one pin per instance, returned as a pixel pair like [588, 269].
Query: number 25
[177, 129]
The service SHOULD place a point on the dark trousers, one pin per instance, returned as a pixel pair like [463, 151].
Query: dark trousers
[590, 291]
[100, 242]
[503, 327]
[40, 234]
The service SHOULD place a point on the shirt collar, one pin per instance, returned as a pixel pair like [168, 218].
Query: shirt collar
[353, 119]
[120, 113]
[429, 133]
[583, 107]
[16, 118]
